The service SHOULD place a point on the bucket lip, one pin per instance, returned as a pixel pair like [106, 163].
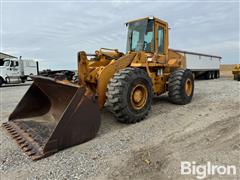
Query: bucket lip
[37, 77]
[27, 144]
[37, 149]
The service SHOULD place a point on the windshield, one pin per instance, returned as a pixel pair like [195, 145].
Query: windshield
[140, 36]
[6, 63]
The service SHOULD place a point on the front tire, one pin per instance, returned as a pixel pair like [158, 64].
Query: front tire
[181, 86]
[23, 80]
[129, 95]
[1, 81]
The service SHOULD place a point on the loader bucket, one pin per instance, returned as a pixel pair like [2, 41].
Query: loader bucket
[52, 116]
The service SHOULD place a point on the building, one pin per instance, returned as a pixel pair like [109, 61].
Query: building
[3, 55]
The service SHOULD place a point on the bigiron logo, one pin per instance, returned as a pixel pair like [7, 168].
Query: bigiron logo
[209, 169]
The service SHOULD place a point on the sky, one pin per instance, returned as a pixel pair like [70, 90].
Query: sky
[52, 32]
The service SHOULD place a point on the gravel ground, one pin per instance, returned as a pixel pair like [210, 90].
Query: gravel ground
[205, 130]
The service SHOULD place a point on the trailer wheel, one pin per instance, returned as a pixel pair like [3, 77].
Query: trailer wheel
[207, 75]
[212, 75]
[181, 87]
[217, 74]
[129, 95]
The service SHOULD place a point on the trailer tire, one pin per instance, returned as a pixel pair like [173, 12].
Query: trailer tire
[213, 74]
[210, 75]
[129, 95]
[216, 74]
[207, 75]
[181, 87]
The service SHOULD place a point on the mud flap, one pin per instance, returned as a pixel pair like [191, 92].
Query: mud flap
[52, 116]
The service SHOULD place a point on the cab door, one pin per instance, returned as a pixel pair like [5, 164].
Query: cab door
[14, 68]
[161, 42]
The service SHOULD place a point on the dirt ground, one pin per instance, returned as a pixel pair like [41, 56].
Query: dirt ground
[208, 129]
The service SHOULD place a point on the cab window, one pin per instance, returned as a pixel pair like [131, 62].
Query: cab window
[135, 40]
[160, 40]
[140, 36]
[12, 64]
[6, 63]
[148, 39]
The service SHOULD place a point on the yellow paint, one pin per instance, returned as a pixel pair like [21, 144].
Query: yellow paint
[95, 73]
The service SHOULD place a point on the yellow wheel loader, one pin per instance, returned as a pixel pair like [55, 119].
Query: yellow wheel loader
[236, 72]
[56, 114]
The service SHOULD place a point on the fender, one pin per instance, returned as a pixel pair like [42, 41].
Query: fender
[107, 73]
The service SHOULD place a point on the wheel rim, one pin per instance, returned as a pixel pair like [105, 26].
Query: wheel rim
[138, 96]
[188, 87]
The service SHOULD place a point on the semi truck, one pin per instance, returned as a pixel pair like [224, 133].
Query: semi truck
[13, 70]
[203, 66]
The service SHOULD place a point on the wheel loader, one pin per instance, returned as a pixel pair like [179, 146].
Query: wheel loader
[236, 72]
[55, 114]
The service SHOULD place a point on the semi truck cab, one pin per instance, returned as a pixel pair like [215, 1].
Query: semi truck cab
[17, 70]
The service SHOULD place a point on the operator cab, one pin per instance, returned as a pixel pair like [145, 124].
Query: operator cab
[149, 35]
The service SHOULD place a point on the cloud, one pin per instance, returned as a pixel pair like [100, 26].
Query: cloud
[54, 32]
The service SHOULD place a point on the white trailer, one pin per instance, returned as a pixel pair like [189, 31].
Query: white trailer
[17, 70]
[202, 65]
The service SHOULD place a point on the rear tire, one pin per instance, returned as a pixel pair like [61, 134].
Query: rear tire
[181, 86]
[238, 77]
[235, 77]
[129, 95]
